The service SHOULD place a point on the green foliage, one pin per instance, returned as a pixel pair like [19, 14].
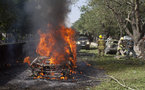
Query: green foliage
[7, 15]
[11, 15]
[96, 19]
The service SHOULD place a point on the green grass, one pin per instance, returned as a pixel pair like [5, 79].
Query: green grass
[128, 71]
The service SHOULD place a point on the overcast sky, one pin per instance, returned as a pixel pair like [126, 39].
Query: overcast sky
[75, 13]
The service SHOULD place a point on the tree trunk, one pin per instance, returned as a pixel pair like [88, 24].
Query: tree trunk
[143, 50]
[136, 31]
[139, 48]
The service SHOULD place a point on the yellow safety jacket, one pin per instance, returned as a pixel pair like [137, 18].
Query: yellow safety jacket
[120, 45]
[101, 44]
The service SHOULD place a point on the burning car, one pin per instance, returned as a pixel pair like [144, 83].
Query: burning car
[56, 54]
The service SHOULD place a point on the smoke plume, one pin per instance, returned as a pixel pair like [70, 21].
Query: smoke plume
[44, 12]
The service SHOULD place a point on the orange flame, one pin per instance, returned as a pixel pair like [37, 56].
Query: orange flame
[27, 60]
[59, 45]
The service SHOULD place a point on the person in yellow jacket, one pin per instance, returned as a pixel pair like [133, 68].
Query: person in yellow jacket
[101, 46]
[120, 47]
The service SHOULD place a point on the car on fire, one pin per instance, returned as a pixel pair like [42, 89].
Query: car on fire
[83, 43]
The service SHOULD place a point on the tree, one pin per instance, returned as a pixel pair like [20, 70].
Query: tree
[7, 16]
[97, 20]
[130, 16]
[13, 18]
[127, 17]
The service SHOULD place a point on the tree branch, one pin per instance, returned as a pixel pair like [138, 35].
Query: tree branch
[123, 85]
[112, 9]
[130, 3]
[128, 17]
[128, 32]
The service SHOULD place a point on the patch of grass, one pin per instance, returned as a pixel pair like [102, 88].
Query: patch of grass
[128, 71]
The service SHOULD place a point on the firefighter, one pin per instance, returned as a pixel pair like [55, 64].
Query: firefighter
[101, 45]
[120, 48]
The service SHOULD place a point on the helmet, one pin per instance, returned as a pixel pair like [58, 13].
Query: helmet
[100, 36]
[121, 38]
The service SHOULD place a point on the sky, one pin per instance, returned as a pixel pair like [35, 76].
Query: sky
[75, 13]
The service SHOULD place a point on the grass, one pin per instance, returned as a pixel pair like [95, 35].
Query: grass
[128, 71]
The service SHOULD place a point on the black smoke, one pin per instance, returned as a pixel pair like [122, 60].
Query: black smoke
[44, 12]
